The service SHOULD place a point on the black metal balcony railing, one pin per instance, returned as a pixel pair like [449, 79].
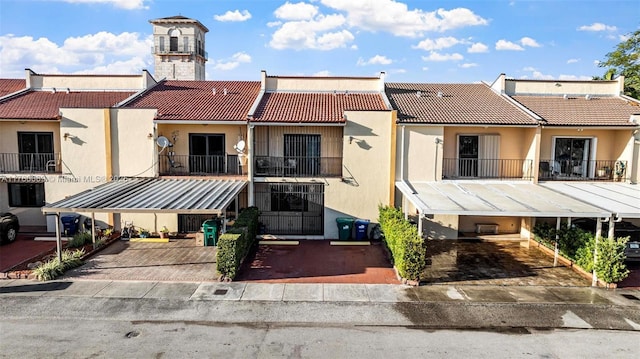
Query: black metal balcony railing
[196, 165]
[30, 163]
[298, 166]
[592, 170]
[471, 168]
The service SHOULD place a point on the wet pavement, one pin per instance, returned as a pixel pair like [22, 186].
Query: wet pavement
[480, 262]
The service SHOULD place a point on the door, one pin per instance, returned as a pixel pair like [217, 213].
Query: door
[468, 156]
[35, 150]
[291, 209]
[571, 157]
[206, 153]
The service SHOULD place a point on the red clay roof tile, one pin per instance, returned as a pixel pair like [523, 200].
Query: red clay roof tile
[314, 107]
[195, 100]
[44, 105]
[578, 111]
[458, 104]
[8, 86]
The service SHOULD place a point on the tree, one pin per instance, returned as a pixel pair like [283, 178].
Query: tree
[625, 61]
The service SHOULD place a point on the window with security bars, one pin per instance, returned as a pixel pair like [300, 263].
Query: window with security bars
[302, 154]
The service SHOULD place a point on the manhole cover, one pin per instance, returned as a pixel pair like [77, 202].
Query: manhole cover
[220, 291]
[630, 297]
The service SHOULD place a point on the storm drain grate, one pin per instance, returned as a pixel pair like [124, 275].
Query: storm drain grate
[630, 297]
[220, 291]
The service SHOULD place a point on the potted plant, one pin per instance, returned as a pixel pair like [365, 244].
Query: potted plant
[619, 170]
[144, 233]
[164, 232]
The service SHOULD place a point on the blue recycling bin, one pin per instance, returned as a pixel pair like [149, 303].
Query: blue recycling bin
[362, 227]
[70, 224]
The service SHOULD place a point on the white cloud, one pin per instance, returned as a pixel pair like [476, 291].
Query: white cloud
[527, 41]
[323, 73]
[398, 71]
[274, 23]
[529, 68]
[508, 45]
[376, 60]
[597, 26]
[233, 62]
[468, 65]
[437, 44]
[396, 18]
[312, 34]
[103, 51]
[436, 56]
[478, 47]
[572, 61]
[122, 4]
[235, 16]
[299, 11]
[574, 77]
[425, 68]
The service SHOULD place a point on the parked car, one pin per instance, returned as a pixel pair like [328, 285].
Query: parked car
[620, 229]
[632, 252]
[9, 227]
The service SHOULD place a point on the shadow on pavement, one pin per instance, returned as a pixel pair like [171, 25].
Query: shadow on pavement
[41, 287]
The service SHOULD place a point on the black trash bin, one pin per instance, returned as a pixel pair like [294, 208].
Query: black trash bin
[362, 227]
[345, 225]
[70, 224]
[211, 230]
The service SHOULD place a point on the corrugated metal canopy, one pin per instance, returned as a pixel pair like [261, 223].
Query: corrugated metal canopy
[153, 195]
[622, 199]
[485, 198]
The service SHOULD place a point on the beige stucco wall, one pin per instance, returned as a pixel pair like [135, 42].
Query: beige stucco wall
[322, 84]
[152, 222]
[9, 133]
[441, 226]
[515, 142]
[134, 152]
[552, 87]
[369, 163]
[422, 156]
[79, 82]
[611, 144]
[232, 134]
[505, 224]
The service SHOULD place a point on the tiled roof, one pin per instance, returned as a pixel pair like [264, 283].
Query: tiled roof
[314, 107]
[44, 105]
[597, 111]
[195, 100]
[458, 104]
[8, 86]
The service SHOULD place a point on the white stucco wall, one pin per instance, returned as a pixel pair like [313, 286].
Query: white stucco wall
[133, 150]
[422, 155]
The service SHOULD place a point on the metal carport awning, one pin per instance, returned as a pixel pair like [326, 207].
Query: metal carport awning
[149, 195]
[153, 195]
[621, 199]
[486, 198]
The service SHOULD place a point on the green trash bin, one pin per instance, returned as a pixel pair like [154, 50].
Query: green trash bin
[345, 224]
[210, 228]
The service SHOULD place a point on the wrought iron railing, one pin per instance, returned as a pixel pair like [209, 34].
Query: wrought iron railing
[471, 168]
[298, 166]
[30, 163]
[200, 165]
[586, 170]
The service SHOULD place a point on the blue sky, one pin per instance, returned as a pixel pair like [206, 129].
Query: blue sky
[412, 41]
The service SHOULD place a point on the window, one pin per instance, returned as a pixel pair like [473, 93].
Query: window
[26, 194]
[206, 153]
[161, 43]
[572, 156]
[185, 44]
[302, 154]
[478, 155]
[35, 150]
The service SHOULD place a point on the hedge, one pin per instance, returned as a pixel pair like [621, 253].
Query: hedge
[404, 242]
[234, 245]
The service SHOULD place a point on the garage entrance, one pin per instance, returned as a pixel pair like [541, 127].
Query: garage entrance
[291, 209]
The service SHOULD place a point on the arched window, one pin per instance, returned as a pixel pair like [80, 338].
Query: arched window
[173, 39]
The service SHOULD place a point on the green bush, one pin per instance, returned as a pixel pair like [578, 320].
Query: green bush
[610, 266]
[234, 245]
[53, 268]
[584, 254]
[571, 239]
[544, 233]
[403, 240]
[79, 239]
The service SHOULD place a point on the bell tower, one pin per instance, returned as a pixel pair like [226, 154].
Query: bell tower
[178, 48]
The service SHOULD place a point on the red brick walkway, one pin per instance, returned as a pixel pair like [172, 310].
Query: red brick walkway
[23, 248]
[319, 262]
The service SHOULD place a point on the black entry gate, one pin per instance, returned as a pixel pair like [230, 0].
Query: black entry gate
[291, 209]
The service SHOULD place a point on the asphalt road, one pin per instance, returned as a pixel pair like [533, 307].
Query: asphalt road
[83, 327]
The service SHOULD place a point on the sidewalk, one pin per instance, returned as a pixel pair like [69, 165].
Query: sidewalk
[294, 292]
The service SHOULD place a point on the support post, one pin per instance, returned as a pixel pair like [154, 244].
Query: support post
[58, 239]
[594, 277]
[555, 252]
[93, 229]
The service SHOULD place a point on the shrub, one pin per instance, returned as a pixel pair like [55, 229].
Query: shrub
[403, 240]
[570, 240]
[584, 254]
[234, 245]
[53, 268]
[610, 266]
[544, 233]
[79, 239]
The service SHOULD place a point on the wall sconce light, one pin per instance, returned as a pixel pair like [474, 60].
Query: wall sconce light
[66, 135]
[149, 136]
[350, 139]
[437, 140]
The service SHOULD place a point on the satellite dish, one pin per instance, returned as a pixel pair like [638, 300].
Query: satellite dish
[240, 146]
[163, 142]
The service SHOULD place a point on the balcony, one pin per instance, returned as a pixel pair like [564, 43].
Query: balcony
[196, 165]
[298, 166]
[30, 163]
[181, 50]
[582, 170]
[471, 168]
